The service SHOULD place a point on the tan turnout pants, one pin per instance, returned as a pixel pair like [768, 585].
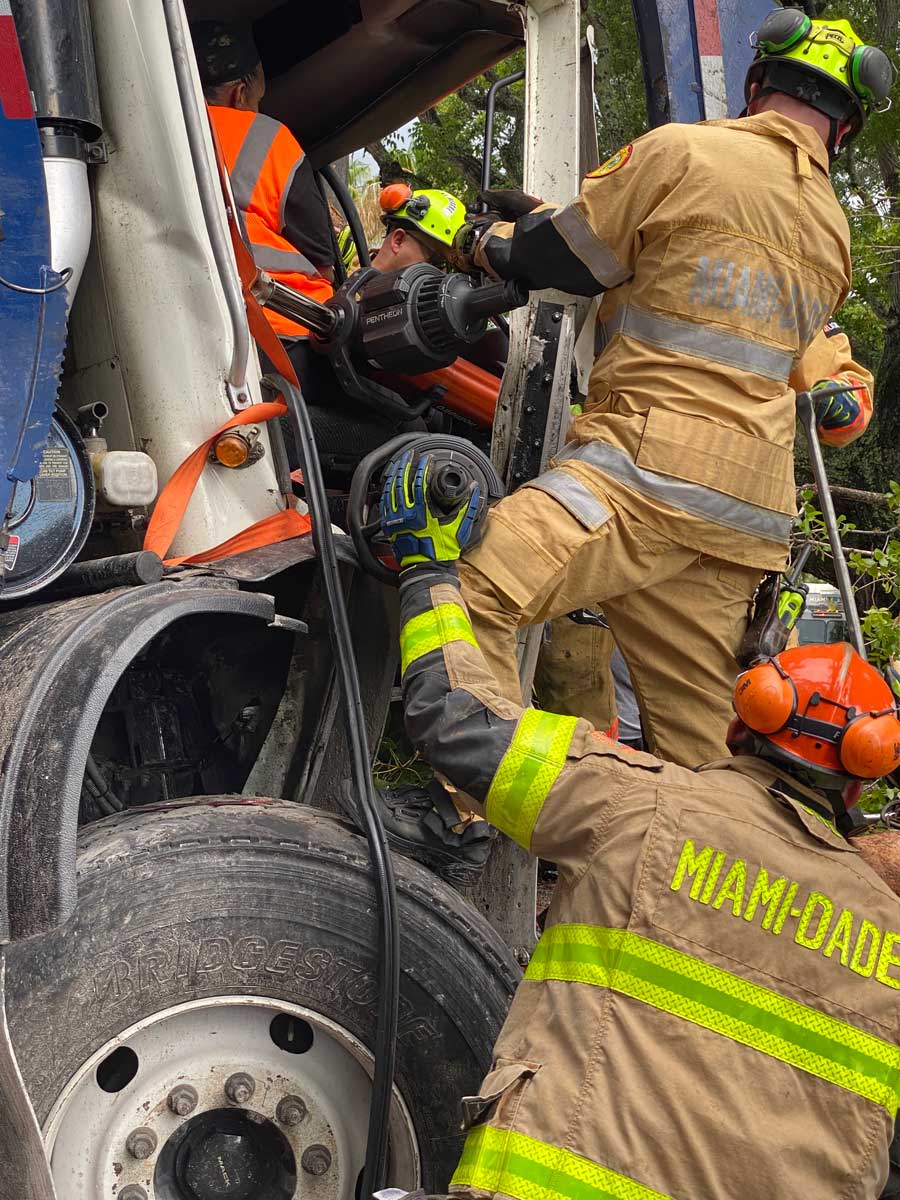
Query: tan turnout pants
[573, 676]
[676, 614]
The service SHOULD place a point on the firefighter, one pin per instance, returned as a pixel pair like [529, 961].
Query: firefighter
[421, 226]
[573, 668]
[283, 213]
[712, 1009]
[724, 253]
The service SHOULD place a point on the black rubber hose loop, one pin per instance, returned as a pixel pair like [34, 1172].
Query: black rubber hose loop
[368, 815]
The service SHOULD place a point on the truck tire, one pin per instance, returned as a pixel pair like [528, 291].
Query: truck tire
[199, 927]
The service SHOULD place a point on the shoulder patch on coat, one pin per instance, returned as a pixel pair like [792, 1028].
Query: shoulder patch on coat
[617, 160]
[832, 328]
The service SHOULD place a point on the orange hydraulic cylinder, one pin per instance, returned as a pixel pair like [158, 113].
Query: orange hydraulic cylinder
[470, 391]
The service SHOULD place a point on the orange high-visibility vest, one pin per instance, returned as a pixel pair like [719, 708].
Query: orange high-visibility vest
[262, 157]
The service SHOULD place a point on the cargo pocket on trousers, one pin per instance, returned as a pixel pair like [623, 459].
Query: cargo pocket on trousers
[500, 1094]
[533, 534]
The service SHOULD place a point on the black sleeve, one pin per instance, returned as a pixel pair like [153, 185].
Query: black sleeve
[537, 254]
[306, 220]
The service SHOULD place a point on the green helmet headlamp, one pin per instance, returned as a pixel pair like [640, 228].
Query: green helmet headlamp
[824, 64]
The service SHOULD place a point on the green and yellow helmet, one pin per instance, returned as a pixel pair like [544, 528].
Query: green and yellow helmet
[430, 212]
[824, 64]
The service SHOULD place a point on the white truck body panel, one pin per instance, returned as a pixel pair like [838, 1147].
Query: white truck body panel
[150, 330]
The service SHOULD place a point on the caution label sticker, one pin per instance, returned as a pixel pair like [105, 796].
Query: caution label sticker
[11, 553]
[614, 163]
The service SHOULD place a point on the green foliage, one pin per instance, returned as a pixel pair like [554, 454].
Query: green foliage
[447, 141]
[445, 144]
[619, 85]
[874, 571]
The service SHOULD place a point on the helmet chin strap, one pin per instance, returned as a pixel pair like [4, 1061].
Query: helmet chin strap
[834, 134]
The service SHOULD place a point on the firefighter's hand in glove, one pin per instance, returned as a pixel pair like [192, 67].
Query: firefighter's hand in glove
[418, 529]
[504, 204]
[509, 203]
[839, 411]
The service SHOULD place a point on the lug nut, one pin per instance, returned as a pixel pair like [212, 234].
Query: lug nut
[316, 1160]
[182, 1100]
[291, 1111]
[240, 1087]
[141, 1142]
[132, 1191]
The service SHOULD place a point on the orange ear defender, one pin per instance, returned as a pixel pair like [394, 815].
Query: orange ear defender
[394, 196]
[823, 706]
[870, 745]
[765, 697]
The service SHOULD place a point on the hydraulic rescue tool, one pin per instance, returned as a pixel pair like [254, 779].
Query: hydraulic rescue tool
[456, 464]
[780, 598]
[407, 322]
[777, 608]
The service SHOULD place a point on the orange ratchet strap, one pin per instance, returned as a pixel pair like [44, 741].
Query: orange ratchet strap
[175, 496]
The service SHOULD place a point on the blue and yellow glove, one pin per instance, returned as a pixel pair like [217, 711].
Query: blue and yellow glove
[839, 411]
[418, 531]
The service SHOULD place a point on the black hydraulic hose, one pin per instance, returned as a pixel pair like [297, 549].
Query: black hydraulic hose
[340, 271]
[382, 868]
[351, 212]
[105, 794]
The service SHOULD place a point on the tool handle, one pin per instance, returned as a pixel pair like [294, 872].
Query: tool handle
[807, 414]
[448, 486]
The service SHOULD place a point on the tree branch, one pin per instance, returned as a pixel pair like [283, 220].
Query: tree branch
[389, 166]
[856, 182]
[854, 494]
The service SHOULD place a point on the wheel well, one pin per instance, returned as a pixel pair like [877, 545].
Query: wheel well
[61, 663]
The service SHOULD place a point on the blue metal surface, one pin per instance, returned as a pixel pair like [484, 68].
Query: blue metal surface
[668, 35]
[33, 326]
[737, 20]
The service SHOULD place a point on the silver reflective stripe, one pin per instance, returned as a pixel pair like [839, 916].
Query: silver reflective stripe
[270, 258]
[249, 162]
[703, 341]
[599, 258]
[574, 496]
[287, 190]
[693, 498]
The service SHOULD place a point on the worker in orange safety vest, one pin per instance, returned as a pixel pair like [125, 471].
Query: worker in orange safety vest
[283, 214]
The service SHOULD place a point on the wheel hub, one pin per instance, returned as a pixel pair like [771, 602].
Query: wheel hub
[153, 1114]
[227, 1155]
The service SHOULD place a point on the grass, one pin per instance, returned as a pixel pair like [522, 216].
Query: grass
[398, 765]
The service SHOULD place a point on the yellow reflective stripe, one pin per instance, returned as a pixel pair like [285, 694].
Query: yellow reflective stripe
[812, 812]
[528, 771]
[500, 1160]
[430, 630]
[717, 1000]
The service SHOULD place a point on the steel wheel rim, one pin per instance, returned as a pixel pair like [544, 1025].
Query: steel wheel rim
[201, 1045]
